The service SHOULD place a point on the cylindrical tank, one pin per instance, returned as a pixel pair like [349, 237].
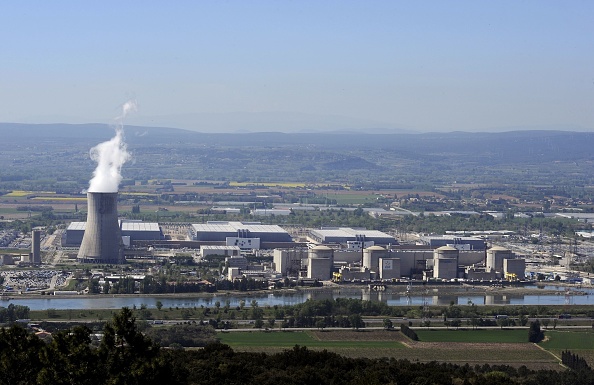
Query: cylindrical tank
[102, 241]
[445, 252]
[321, 251]
[320, 262]
[371, 257]
[445, 262]
[495, 257]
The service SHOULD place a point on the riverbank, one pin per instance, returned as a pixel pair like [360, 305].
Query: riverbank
[417, 289]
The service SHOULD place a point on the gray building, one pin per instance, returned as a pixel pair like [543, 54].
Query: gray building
[220, 231]
[342, 235]
[136, 230]
[289, 261]
[389, 268]
[461, 243]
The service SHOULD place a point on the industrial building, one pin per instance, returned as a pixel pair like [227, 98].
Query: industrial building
[379, 263]
[132, 230]
[343, 235]
[228, 251]
[239, 262]
[289, 261]
[460, 243]
[246, 235]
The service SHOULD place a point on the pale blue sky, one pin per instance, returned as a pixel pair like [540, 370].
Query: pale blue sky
[290, 65]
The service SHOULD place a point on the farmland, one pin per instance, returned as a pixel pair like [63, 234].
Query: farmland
[578, 342]
[477, 346]
[473, 336]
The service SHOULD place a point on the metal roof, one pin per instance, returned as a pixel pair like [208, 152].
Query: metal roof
[234, 226]
[140, 226]
[126, 226]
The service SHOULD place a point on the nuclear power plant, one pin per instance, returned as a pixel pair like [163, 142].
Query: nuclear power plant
[102, 240]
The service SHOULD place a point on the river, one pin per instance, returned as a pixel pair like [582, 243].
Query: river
[430, 297]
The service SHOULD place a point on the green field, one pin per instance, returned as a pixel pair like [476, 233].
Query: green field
[572, 340]
[578, 342]
[290, 339]
[474, 336]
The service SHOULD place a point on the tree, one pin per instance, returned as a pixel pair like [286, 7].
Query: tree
[455, 323]
[534, 333]
[159, 305]
[356, 321]
[320, 324]
[69, 359]
[388, 325]
[18, 356]
[127, 356]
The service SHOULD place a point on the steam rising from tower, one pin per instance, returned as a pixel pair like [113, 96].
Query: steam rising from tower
[102, 240]
[111, 156]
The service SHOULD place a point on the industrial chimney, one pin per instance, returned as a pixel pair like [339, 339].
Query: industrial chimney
[35, 248]
[102, 241]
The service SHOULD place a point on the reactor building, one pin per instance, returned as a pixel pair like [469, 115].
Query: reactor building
[102, 239]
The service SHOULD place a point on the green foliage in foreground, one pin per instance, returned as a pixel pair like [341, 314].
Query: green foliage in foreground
[473, 336]
[126, 356]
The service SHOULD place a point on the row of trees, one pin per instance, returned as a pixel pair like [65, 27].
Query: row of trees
[13, 312]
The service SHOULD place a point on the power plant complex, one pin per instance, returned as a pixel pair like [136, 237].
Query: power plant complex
[340, 254]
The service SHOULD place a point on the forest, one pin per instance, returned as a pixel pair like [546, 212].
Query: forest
[124, 355]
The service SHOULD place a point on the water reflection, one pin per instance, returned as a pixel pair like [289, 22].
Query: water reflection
[429, 297]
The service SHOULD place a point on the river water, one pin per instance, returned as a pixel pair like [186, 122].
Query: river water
[429, 297]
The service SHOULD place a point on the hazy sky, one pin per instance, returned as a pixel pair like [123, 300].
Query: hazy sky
[234, 65]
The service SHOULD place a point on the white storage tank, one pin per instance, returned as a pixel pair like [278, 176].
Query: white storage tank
[372, 255]
[320, 263]
[495, 257]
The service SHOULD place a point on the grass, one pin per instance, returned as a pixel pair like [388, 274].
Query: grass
[578, 342]
[572, 340]
[377, 345]
[289, 339]
[353, 199]
[474, 336]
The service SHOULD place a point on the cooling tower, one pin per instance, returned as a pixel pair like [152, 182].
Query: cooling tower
[102, 241]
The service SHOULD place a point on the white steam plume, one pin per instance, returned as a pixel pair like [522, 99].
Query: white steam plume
[111, 156]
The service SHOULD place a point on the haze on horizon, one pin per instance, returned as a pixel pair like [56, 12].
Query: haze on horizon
[301, 66]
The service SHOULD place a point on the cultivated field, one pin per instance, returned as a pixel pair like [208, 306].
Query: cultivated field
[478, 347]
[474, 336]
[578, 342]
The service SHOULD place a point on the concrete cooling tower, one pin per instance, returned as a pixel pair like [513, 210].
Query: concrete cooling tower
[102, 241]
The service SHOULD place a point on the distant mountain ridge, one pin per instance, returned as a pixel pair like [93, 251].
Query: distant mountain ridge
[510, 146]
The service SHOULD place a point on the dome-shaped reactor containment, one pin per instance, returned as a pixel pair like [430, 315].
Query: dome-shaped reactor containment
[102, 241]
[372, 255]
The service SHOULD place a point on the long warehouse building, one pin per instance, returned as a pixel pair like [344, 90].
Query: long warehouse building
[220, 231]
[342, 235]
[137, 231]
